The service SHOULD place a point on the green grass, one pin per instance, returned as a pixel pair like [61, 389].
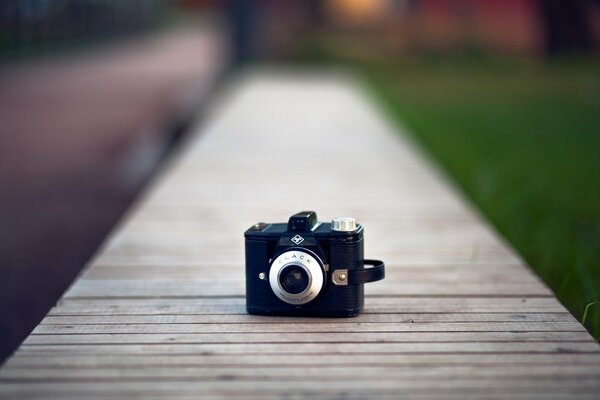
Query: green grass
[522, 139]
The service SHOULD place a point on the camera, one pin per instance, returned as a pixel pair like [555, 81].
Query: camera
[307, 267]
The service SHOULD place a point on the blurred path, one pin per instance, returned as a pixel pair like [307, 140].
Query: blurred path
[79, 134]
[159, 312]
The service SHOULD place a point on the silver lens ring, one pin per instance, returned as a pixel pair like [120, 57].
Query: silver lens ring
[308, 263]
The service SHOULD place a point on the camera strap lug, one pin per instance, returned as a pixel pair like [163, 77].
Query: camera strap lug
[339, 277]
[343, 277]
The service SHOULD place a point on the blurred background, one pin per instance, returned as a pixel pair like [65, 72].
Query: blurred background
[94, 95]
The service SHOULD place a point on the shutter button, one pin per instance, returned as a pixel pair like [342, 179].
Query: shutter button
[343, 224]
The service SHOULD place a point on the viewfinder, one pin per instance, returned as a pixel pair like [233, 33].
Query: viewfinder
[302, 221]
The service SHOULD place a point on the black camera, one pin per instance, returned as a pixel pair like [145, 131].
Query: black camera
[307, 268]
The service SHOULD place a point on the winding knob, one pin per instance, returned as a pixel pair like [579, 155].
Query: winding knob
[343, 224]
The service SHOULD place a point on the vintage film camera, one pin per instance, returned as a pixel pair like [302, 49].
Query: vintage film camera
[307, 268]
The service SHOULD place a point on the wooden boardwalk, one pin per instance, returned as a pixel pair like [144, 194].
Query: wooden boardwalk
[159, 312]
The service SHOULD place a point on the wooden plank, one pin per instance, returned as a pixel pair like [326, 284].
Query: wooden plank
[364, 318]
[258, 336]
[160, 310]
[324, 349]
[116, 373]
[237, 305]
[34, 357]
[231, 385]
[353, 395]
[350, 328]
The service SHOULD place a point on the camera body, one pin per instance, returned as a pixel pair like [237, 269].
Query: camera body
[307, 268]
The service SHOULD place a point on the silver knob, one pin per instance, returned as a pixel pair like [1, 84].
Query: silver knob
[343, 224]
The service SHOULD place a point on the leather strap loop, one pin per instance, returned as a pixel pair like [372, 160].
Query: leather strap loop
[375, 273]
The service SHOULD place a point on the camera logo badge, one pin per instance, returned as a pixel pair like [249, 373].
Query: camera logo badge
[297, 239]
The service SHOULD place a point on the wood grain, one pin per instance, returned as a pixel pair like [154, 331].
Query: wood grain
[159, 312]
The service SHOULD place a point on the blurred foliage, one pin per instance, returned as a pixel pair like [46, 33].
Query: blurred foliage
[521, 138]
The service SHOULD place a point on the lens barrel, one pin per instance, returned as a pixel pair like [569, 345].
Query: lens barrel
[296, 276]
[294, 279]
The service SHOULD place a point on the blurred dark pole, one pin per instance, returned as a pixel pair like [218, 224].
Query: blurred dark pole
[243, 14]
[316, 12]
[566, 26]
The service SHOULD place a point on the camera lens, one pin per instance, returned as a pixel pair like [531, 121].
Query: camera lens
[297, 277]
[294, 279]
